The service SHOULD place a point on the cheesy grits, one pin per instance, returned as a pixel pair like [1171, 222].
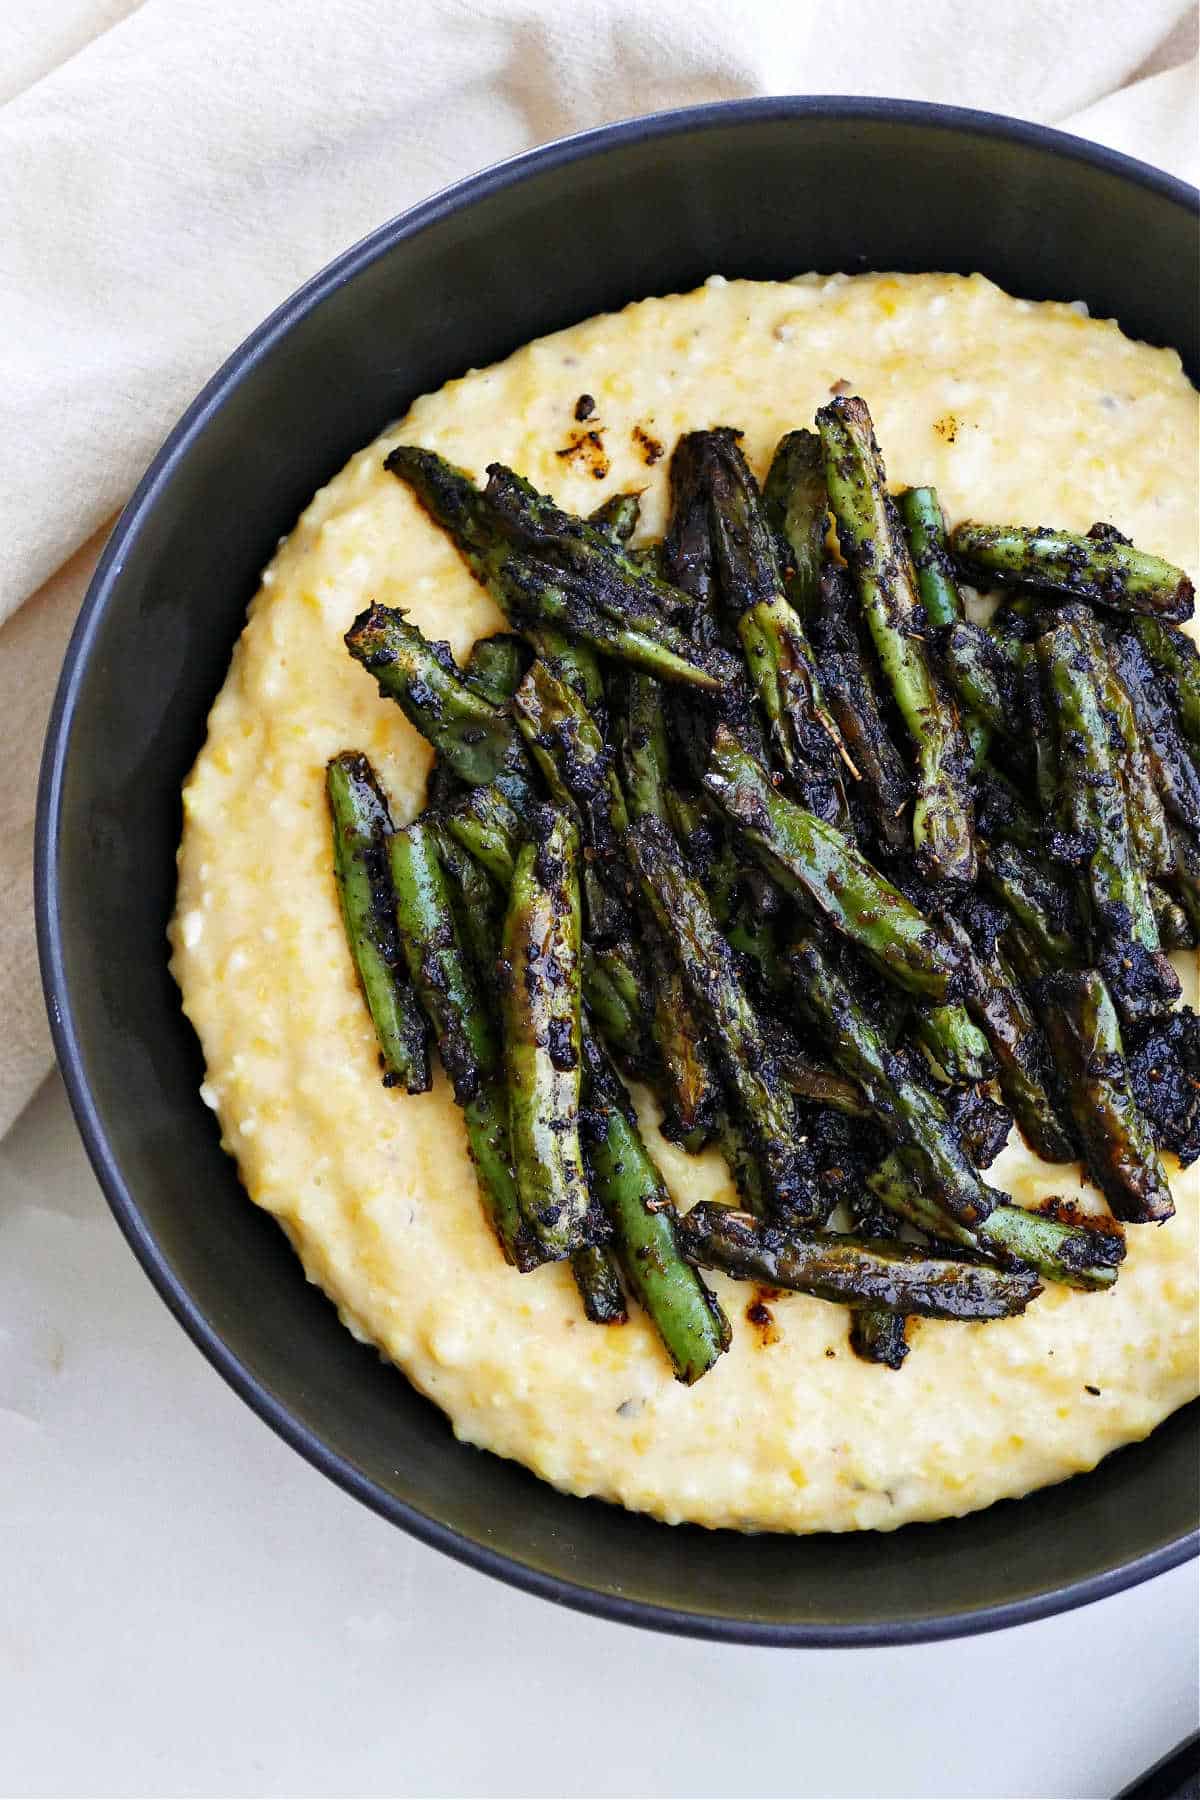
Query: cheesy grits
[1014, 410]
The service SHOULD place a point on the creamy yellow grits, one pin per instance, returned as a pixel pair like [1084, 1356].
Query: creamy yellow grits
[1021, 412]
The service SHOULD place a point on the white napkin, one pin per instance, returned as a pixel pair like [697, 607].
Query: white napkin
[170, 171]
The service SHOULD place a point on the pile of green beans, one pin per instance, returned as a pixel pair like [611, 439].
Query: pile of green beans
[842, 879]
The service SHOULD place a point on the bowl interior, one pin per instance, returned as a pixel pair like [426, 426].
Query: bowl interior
[763, 189]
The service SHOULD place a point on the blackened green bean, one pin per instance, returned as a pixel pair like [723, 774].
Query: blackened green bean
[474, 738]
[1104, 570]
[496, 665]
[908, 1112]
[875, 549]
[796, 504]
[1065, 1251]
[854, 1271]
[1081, 1023]
[361, 828]
[925, 528]
[1092, 810]
[1176, 656]
[693, 1329]
[466, 1036]
[540, 996]
[763, 1105]
[816, 861]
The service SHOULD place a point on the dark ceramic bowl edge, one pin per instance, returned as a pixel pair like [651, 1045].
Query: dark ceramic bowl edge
[208, 1340]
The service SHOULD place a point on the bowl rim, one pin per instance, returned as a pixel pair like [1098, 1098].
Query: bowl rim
[105, 581]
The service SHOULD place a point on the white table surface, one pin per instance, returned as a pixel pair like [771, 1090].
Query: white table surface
[187, 1608]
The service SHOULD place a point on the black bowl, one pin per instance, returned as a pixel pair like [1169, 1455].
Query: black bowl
[760, 188]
